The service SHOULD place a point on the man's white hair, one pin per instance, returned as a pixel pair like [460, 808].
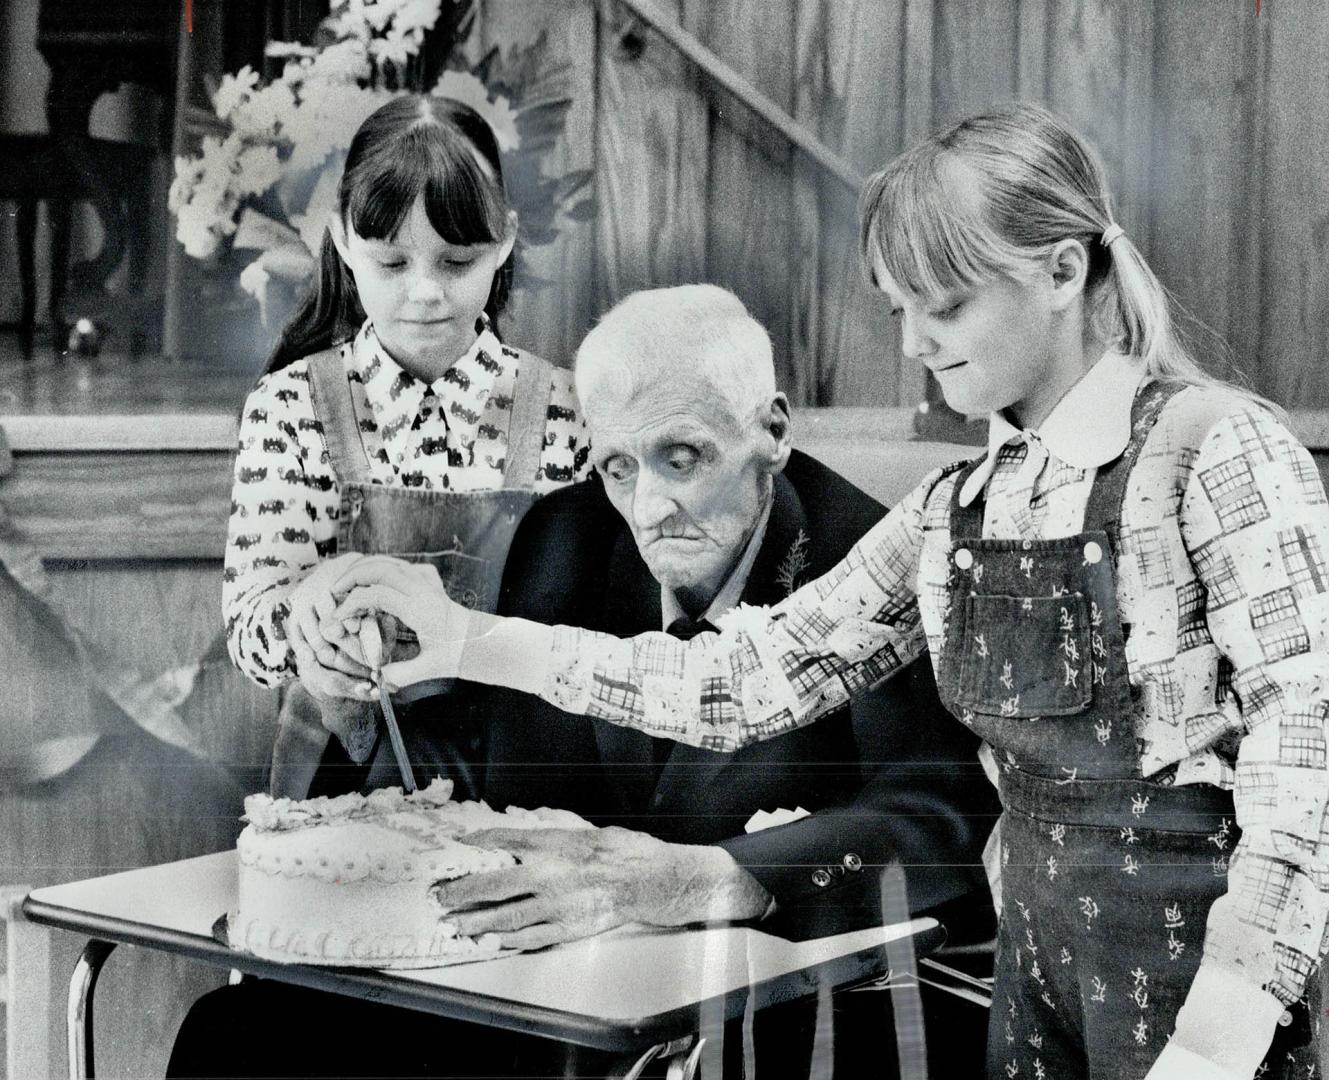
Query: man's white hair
[700, 332]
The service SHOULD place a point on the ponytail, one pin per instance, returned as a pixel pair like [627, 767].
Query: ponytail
[1144, 319]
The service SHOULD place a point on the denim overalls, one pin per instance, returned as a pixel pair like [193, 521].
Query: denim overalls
[1107, 876]
[466, 535]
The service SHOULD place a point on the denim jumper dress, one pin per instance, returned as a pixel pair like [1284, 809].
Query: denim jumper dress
[1107, 876]
[466, 536]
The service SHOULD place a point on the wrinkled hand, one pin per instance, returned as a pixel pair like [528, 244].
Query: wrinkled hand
[414, 594]
[572, 883]
[323, 662]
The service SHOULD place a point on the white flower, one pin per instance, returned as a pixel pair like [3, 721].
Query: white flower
[464, 87]
[288, 49]
[265, 111]
[217, 160]
[257, 169]
[351, 21]
[193, 230]
[345, 61]
[187, 174]
[396, 48]
[327, 120]
[295, 72]
[233, 91]
[378, 13]
[254, 279]
[419, 15]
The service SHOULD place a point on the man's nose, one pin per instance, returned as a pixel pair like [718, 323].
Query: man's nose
[915, 342]
[652, 504]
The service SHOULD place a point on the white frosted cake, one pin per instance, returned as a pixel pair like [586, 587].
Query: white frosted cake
[345, 881]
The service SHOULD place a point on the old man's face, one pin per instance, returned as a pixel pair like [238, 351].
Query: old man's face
[689, 476]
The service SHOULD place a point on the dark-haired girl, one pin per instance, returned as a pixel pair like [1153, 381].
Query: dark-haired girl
[390, 419]
[1126, 596]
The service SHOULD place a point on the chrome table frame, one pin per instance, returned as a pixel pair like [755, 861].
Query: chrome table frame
[676, 1036]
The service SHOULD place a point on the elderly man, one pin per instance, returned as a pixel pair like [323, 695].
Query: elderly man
[700, 505]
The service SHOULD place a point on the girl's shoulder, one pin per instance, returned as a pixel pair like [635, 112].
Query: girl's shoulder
[563, 389]
[293, 378]
[279, 389]
[525, 359]
[1203, 414]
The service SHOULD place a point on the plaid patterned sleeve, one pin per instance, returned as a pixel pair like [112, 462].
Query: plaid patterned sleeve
[1255, 523]
[769, 669]
[284, 509]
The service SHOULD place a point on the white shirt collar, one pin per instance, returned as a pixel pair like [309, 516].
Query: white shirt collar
[1087, 428]
[395, 396]
[728, 596]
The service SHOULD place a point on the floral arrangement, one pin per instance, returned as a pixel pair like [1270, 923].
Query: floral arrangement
[266, 175]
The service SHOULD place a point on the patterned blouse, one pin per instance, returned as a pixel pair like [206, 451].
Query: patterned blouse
[450, 435]
[1221, 573]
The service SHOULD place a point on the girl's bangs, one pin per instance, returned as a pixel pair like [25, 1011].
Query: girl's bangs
[464, 204]
[932, 242]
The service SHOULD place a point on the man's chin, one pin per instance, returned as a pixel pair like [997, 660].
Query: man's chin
[676, 574]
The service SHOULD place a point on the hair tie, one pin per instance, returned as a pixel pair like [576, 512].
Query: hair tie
[1111, 233]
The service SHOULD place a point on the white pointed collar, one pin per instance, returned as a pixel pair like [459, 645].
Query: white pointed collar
[1087, 428]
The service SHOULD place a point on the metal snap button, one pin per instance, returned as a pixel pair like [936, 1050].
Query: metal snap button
[1026, 544]
[1286, 1019]
[964, 558]
[853, 862]
[1093, 553]
[821, 878]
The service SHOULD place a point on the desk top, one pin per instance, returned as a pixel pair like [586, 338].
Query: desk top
[619, 991]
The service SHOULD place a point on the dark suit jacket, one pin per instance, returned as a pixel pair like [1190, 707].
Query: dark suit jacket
[891, 779]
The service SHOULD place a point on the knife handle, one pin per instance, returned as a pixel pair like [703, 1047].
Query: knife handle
[371, 644]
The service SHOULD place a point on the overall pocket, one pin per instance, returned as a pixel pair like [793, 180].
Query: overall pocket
[1026, 656]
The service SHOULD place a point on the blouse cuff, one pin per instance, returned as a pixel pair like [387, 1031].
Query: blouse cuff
[506, 652]
[1227, 1020]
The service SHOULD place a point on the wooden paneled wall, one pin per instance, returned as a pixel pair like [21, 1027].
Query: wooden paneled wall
[1211, 120]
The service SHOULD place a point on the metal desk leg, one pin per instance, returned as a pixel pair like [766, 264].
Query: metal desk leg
[684, 1066]
[672, 1052]
[78, 1018]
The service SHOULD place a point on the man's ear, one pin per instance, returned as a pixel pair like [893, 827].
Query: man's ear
[1068, 265]
[779, 423]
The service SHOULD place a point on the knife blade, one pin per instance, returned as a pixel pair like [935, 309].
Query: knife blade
[371, 643]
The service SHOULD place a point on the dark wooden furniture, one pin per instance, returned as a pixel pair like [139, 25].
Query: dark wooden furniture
[91, 48]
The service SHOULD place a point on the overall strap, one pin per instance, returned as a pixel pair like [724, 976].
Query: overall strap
[966, 522]
[1103, 511]
[330, 394]
[527, 421]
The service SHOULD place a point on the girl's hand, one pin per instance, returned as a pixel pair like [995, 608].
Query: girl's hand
[324, 666]
[414, 594]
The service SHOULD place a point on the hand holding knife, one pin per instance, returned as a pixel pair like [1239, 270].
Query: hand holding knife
[371, 643]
